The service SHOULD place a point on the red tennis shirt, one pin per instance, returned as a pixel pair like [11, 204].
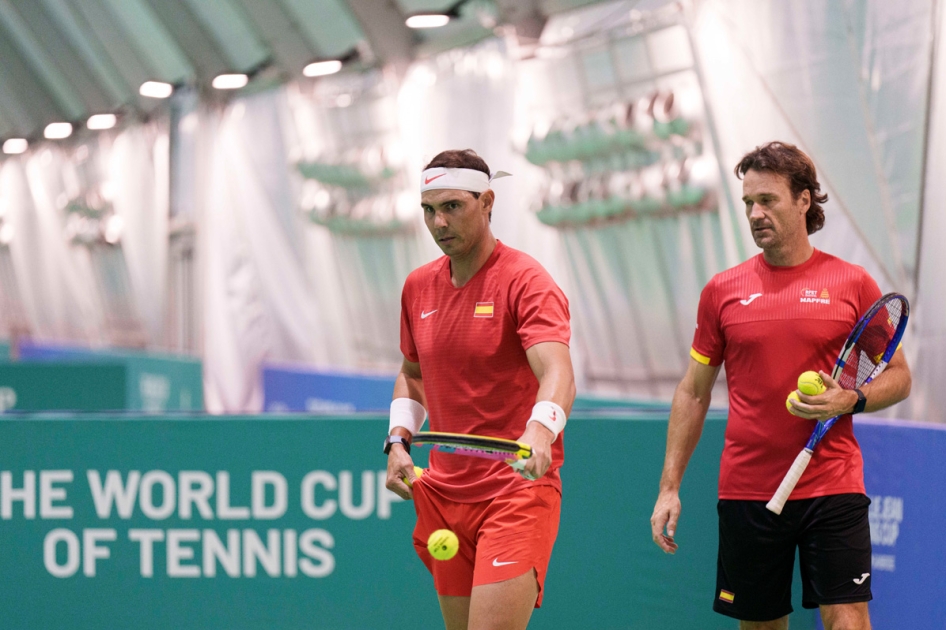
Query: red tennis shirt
[471, 344]
[768, 325]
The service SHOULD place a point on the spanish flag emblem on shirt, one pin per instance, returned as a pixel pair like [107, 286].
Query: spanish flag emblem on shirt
[726, 596]
[483, 309]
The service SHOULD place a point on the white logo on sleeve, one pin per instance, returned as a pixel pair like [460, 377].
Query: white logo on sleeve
[497, 563]
[750, 299]
[424, 315]
[863, 577]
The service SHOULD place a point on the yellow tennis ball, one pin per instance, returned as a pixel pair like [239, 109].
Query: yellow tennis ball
[788, 402]
[443, 544]
[418, 472]
[810, 383]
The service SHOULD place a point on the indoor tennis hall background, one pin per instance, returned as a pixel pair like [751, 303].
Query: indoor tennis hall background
[203, 237]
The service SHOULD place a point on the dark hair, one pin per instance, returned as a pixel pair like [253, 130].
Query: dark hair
[791, 162]
[460, 158]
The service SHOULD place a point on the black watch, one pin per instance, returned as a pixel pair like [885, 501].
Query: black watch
[861, 402]
[396, 439]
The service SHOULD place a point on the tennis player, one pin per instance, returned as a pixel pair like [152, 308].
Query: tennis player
[783, 312]
[484, 333]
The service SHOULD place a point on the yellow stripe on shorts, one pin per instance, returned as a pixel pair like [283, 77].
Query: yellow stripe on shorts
[699, 357]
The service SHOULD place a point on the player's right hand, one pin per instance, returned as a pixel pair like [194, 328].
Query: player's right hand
[666, 514]
[400, 467]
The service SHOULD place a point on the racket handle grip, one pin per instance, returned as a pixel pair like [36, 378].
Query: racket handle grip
[788, 483]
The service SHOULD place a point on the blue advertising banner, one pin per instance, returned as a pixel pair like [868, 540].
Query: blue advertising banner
[905, 476]
[298, 388]
[295, 388]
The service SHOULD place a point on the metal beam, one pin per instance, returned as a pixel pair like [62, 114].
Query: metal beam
[63, 55]
[383, 24]
[328, 25]
[6, 126]
[23, 120]
[42, 65]
[152, 40]
[90, 50]
[111, 35]
[197, 43]
[281, 33]
[27, 104]
[233, 32]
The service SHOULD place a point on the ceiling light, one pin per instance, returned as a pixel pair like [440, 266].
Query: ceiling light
[230, 81]
[322, 68]
[428, 20]
[14, 146]
[58, 130]
[101, 121]
[156, 89]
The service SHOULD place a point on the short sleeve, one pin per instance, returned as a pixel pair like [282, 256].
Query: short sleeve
[708, 341]
[408, 348]
[540, 309]
[868, 294]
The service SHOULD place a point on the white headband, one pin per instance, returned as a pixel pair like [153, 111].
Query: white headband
[440, 178]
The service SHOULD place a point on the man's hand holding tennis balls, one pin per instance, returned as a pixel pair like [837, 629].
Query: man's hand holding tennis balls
[832, 401]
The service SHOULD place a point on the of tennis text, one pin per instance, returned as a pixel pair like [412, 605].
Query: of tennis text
[193, 495]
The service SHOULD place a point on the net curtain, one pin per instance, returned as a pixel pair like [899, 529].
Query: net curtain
[848, 82]
[56, 279]
[258, 302]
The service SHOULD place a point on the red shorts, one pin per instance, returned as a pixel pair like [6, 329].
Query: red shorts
[500, 539]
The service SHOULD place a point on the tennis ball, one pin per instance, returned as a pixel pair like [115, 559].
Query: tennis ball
[788, 402]
[418, 472]
[443, 544]
[810, 383]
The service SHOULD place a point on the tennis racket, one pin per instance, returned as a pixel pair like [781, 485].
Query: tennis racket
[510, 451]
[865, 354]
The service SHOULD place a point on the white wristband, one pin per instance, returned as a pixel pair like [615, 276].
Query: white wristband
[550, 416]
[407, 413]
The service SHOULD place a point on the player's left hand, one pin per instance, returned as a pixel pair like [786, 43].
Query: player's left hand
[540, 439]
[833, 401]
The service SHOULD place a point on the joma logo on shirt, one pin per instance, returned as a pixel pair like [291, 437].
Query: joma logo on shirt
[813, 296]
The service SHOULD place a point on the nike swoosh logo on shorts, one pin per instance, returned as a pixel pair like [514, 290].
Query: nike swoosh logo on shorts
[497, 563]
[862, 578]
[428, 180]
[749, 300]
[424, 315]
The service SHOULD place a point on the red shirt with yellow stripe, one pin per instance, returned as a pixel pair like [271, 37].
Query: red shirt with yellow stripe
[769, 324]
[471, 344]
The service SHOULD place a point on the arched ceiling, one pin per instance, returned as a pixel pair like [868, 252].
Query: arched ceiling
[64, 60]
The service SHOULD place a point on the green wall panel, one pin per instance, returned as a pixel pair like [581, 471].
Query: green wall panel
[605, 571]
[154, 382]
[63, 386]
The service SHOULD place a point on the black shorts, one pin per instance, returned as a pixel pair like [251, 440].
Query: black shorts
[757, 555]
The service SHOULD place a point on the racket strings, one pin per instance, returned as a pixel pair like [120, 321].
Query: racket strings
[872, 346]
